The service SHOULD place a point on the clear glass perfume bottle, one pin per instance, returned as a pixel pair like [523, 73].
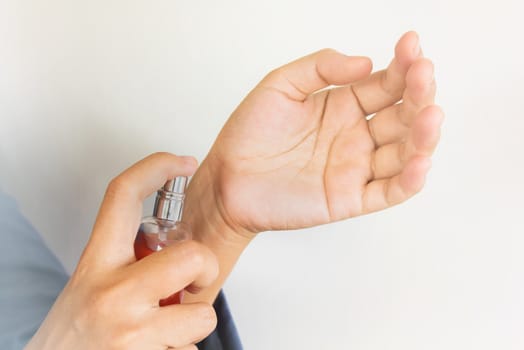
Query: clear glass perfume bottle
[165, 227]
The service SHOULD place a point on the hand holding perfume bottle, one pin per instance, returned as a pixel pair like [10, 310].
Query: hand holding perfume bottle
[165, 227]
[111, 300]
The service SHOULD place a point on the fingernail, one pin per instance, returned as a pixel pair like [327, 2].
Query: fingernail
[416, 49]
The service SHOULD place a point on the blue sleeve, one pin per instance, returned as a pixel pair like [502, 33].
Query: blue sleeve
[225, 336]
[31, 278]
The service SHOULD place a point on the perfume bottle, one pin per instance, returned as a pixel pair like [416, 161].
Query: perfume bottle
[165, 227]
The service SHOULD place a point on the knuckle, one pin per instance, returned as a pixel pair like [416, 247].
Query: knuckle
[394, 91]
[162, 155]
[426, 61]
[195, 255]
[274, 75]
[201, 258]
[120, 186]
[208, 316]
[327, 52]
[434, 109]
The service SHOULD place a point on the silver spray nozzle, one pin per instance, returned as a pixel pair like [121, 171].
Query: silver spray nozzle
[169, 202]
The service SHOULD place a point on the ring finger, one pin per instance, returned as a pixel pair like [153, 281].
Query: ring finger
[392, 123]
[390, 159]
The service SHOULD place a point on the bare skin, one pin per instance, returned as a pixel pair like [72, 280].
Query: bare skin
[111, 300]
[291, 156]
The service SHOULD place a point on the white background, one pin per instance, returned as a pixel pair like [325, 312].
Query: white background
[89, 87]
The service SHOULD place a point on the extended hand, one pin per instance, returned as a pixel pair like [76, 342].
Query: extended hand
[292, 156]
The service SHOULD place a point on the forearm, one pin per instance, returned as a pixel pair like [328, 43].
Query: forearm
[203, 213]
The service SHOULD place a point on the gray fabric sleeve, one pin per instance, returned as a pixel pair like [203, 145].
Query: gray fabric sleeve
[31, 277]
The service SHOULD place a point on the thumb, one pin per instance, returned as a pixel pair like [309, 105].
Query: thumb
[119, 215]
[308, 74]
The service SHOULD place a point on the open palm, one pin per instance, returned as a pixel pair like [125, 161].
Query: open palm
[292, 156]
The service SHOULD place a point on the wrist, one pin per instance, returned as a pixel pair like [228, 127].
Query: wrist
[203, 212]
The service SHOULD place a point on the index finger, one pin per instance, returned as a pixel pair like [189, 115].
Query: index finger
[302, 77]
[385, 87]
[187, 264]
[119, 215]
